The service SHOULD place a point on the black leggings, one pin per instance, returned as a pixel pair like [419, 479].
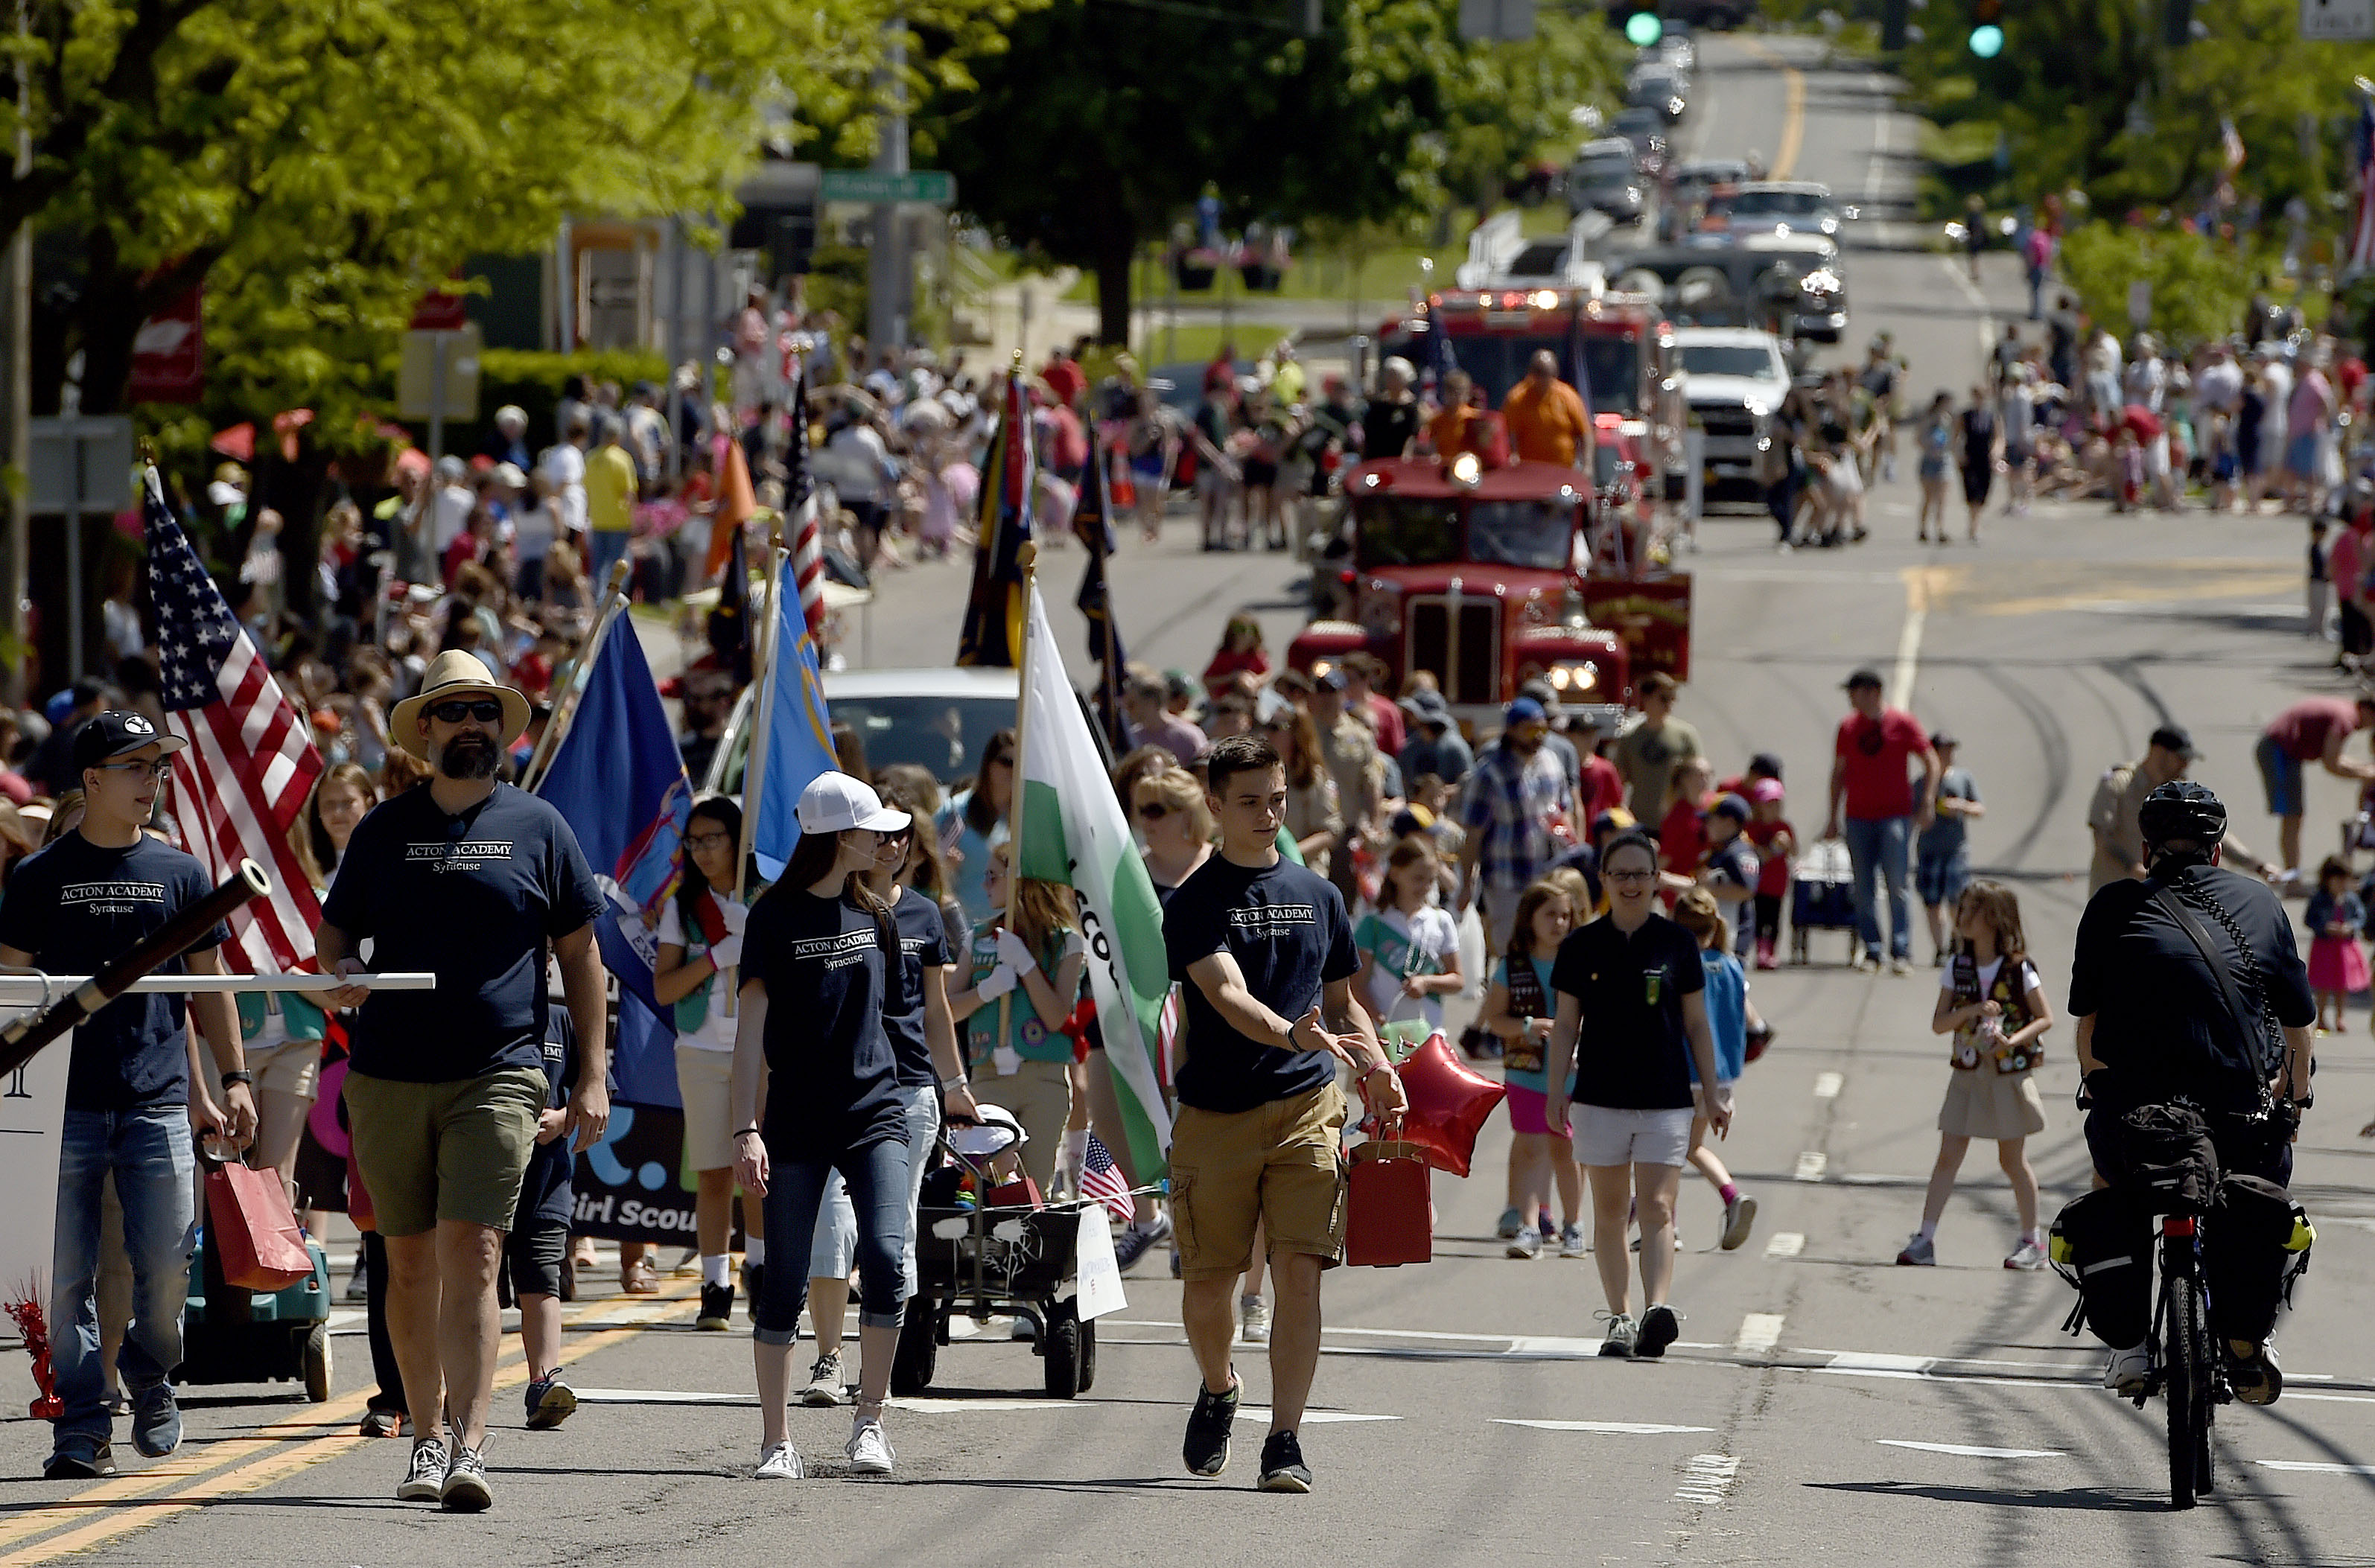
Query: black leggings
[390, 1395]
[1768, 917]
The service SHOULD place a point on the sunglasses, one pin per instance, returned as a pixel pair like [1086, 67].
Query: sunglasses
[486, 710]
[1153, 810]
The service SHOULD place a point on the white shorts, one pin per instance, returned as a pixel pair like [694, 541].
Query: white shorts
[1606, 1136]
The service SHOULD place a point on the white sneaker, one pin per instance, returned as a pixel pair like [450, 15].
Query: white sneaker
[1621, 1334]
[1527, 1243]
[780, 1463]
[869, 1449]
[1253, 1322]
[1572, 1243]
[2028, 1255]
[2128, 1370]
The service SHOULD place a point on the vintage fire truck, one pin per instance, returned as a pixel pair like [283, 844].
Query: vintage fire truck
[1488, 577]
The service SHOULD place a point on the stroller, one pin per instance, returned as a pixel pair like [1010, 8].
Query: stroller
[1821, 896]
[983, 1246]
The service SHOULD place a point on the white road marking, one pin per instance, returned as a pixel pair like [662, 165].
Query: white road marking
[1614, 1429]
[1810, 1166]
[922, 1403]
[1987, 328]
[1875, 1361]
[1908, 652]
[1310, 1417]
[1827, 1085]
[1759, 1332]
[1785, 1243]
[1968, 1452]
[2316, 1468]
[1873, 169]
[1707, 1478]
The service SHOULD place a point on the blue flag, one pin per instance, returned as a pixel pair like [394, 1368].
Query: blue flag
[619, 780]
[798, 736]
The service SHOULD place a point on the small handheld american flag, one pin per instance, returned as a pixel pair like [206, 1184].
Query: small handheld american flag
[1101, 1179]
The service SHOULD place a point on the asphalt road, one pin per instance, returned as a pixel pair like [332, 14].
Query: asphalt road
[1823, 1404]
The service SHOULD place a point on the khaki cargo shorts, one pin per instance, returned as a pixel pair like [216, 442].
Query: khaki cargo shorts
[1281, 1164]
[433, 1151]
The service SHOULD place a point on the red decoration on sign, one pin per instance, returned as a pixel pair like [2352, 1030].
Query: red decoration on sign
[1447, 1105]
[438, 312]
[168, 353]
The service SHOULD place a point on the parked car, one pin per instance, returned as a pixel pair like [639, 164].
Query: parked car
[1660, 87]
[1606, 177]
[1646, 129]
[1796, 206]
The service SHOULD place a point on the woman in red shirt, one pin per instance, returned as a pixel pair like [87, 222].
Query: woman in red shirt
[1240, 653]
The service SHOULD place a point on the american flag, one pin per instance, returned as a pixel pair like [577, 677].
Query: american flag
[238, 787]
[1101, 1179]
[800, 506]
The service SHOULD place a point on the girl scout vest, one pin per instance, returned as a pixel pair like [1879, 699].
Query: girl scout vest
[1527, 999]
[1973, 1044]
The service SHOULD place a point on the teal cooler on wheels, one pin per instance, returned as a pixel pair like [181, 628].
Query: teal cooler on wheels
[230, 1334]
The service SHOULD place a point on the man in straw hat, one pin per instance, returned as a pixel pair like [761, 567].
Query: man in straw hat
[474, 881]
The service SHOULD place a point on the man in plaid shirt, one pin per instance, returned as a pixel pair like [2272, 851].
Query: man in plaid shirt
[1518, 794]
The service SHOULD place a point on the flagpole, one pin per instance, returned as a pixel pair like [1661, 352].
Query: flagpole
[1026, 556]
[763, 717]
[564, 706]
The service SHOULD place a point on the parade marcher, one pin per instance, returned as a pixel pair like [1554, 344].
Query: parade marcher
[535, 1252]
[974, 821]
[1264, 951]
[817, 951]
[1647, 753]
[1348, 750]
[1632, 1014]
[1993, 1004]
[700, 932]
[1546, 417]
[1435, 745]
[2311, 731]
[1518, 793]
[1942, 854]
[2158, 1016]
[1881, 810]
[473, 881]
[1730, 1015]
[73, 906]
[1028, 945]
[1519, 1008]
[2120, 794]
[1408, 945]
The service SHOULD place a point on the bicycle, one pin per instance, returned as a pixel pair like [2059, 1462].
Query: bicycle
[2187, 1371]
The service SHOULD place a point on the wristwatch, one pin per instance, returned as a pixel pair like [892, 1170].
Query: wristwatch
[241, 1076]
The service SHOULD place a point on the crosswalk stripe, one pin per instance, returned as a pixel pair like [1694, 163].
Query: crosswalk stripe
[1785, 1243]
[1811, 1166]
[1759, 1332]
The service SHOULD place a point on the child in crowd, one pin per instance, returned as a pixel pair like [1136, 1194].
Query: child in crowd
[1941, 855]
[1729, 1012]
[1410, 946]
[1731, 871]
[1776, 843]
[2320, 587]
[1994, 1005]
[1681, 836]
[2338, 964]
[1519, 1008]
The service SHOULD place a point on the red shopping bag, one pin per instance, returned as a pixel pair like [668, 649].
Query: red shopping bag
[254, 1229]
[1388, 1220]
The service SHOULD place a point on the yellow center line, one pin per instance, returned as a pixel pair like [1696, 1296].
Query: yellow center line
[1793, 111]
[240, 1475]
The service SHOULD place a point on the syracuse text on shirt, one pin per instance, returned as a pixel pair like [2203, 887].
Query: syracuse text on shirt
[850, 947]
[1271, 919]
[459, 856]
[110, 898]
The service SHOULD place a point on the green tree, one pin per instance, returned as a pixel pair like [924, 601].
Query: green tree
[1102, 122]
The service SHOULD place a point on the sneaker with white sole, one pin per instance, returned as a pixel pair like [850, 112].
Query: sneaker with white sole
[465, 1490]
[1918, 1253]
[780, 1463]
[2028, 1256]
[824, 1382]
[869, 1449]
[1617, 1339]
[1253, 1321]
[1527, 1243]
[1660, 1325]
[1572, 1243]
[424, 1474]
[2128, 1371]
[1738, 1219]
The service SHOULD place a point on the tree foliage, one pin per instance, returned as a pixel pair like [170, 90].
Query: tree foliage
[2199, 286]
[1104, 120]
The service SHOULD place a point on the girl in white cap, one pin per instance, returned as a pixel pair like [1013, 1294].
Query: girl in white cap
[816, 950]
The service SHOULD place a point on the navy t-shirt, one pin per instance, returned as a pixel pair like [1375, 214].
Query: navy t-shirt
[923, 940]
[475, 899]
[830, 1084]
[77, 905]
[1632, 1051]
[1289, 934]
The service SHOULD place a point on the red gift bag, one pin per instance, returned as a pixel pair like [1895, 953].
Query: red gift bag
[1389, 1219]
[254, 1229]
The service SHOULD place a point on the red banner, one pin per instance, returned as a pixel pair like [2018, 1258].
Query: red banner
[168, 353]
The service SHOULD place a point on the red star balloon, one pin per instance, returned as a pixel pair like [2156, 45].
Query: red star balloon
[1447, 1105]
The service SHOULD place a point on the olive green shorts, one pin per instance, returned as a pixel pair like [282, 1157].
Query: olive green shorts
[456, 1150]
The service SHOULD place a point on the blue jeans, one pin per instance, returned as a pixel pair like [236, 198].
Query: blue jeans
[835, 1251]
[876, 1175]
[605, 548]
[149, 1152]
[1876, 851]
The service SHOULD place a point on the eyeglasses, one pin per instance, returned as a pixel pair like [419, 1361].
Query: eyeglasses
[708, 840]
[1153, 810]
[1628, 876]
[157, 770]
[486, 710]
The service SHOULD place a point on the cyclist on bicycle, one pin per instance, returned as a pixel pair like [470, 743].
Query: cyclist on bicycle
[2156, 1023]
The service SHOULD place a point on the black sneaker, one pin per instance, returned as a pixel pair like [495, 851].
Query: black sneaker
[80, 1463]
[1659, 1328]
[717, 1308]
[1282, 1469]
[754, 1279]
[550, 1401]
[1206, 1449]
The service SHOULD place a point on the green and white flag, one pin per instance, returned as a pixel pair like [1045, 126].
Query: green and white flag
[1073, 831]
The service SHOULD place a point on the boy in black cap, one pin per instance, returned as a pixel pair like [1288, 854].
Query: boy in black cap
[70, 909]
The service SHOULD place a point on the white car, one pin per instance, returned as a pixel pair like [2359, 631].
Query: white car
[1734, 378]
[1790, 206]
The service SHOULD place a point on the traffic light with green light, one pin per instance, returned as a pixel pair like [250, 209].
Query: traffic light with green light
[1642, 25]
[1987, 40]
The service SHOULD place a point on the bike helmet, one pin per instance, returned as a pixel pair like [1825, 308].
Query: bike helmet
[2182, 809]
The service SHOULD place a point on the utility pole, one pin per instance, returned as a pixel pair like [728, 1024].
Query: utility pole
[886, 276]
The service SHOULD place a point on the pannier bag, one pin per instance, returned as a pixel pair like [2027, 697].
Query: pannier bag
[2170, 1165]
[2255, 1246]
[2101, 1244]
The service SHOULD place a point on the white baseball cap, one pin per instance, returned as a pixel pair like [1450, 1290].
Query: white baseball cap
[835, 802]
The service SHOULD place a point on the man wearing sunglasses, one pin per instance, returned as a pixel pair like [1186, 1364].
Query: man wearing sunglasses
[130, 1103]
[474, 881]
